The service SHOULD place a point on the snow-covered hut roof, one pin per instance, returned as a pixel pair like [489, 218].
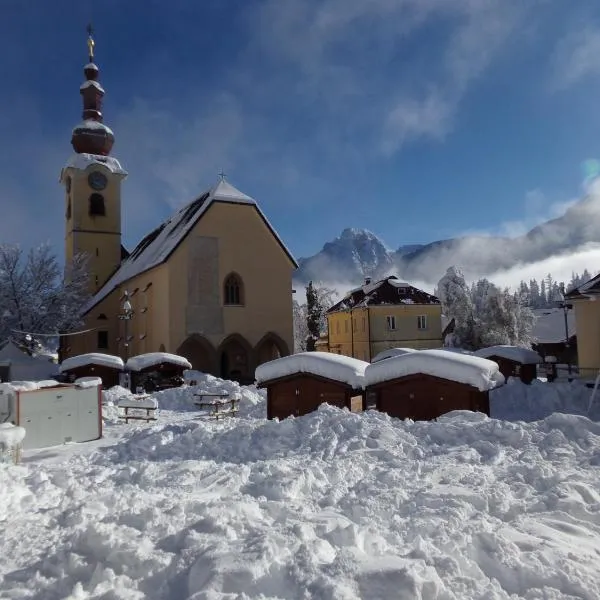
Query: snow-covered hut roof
[83, 160]
[390, 291]
[524, 356]
[143, 361]
[159, 244]
[29, 386]
[391, 352]
[324, 364]
[479, 372]
[93, 358]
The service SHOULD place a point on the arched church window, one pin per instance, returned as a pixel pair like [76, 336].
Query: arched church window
[233, 292]
[69, 208]
[97, 208]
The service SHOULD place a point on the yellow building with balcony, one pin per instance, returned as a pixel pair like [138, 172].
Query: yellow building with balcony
[382, 315]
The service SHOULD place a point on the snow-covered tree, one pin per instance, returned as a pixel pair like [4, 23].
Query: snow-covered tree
[36, 296]
[457, 304]
[484, 315]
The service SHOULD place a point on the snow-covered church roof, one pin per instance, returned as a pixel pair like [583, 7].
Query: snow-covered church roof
[159, 244]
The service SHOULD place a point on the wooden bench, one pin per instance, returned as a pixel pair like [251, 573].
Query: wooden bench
[139, 402]
[217, 404]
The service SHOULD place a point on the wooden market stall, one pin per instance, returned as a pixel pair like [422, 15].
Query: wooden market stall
[300, 383]
[513, 361]
[105, 366]
[427, 384]
[156, 371]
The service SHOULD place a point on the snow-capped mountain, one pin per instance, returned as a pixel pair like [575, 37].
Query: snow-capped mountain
[353, 255]
[357, 253]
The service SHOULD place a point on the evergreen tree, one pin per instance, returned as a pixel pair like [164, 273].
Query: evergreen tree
[534, 294]
[543, 297]
[314, 316]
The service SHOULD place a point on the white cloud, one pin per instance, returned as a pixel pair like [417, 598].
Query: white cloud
[577, 56]
[342, 54]
[561, 267]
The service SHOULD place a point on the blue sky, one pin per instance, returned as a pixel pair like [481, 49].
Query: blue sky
[416, 119]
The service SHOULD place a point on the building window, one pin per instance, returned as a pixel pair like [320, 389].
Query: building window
[422, 322]
[103, 340]
[233, 291]
[391, 322]
[97, 208]
[69, 208]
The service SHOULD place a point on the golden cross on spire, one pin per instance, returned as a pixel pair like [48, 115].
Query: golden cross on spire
[222, 175]
[90, 42]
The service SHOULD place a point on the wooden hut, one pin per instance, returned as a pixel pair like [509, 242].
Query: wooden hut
[105, 366]
[156, 371]
[513, 361]
[299, 384]
[426, 384]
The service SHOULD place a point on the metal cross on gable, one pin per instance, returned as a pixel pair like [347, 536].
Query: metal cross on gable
[222, 175]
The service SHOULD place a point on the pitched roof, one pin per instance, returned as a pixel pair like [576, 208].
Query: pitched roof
[390, 291]
[549, 326]
[589, 288]
[159, 244]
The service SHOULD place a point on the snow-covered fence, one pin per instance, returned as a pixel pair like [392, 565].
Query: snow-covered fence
[11, 443]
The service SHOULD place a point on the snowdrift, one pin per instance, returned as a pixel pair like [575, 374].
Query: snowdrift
[331, 505]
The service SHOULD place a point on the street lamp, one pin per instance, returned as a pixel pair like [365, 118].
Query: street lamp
[566, 306]
[126, 316]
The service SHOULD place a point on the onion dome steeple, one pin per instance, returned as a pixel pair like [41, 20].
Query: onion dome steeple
[92, 136]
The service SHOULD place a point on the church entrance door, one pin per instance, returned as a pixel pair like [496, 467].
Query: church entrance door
[235, 362]
[200, 352]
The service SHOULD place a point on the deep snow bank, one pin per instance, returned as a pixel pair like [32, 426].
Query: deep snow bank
[332, 505]
[519, 402]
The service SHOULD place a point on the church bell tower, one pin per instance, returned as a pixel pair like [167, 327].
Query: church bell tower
[92, 182]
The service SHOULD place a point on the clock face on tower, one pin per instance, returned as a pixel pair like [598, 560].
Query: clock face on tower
[97, 180]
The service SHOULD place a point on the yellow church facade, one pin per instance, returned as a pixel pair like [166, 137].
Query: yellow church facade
[212, 283]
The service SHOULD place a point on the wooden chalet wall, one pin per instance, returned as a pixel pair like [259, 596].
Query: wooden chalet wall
[303, 393]
[424, 397]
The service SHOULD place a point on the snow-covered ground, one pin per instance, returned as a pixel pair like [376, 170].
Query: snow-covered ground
[331, 505]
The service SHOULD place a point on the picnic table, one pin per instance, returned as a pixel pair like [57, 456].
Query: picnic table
[217, 404]
[144, 405]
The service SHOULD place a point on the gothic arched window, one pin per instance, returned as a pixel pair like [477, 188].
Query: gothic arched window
[233, 292]
[97, 208]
